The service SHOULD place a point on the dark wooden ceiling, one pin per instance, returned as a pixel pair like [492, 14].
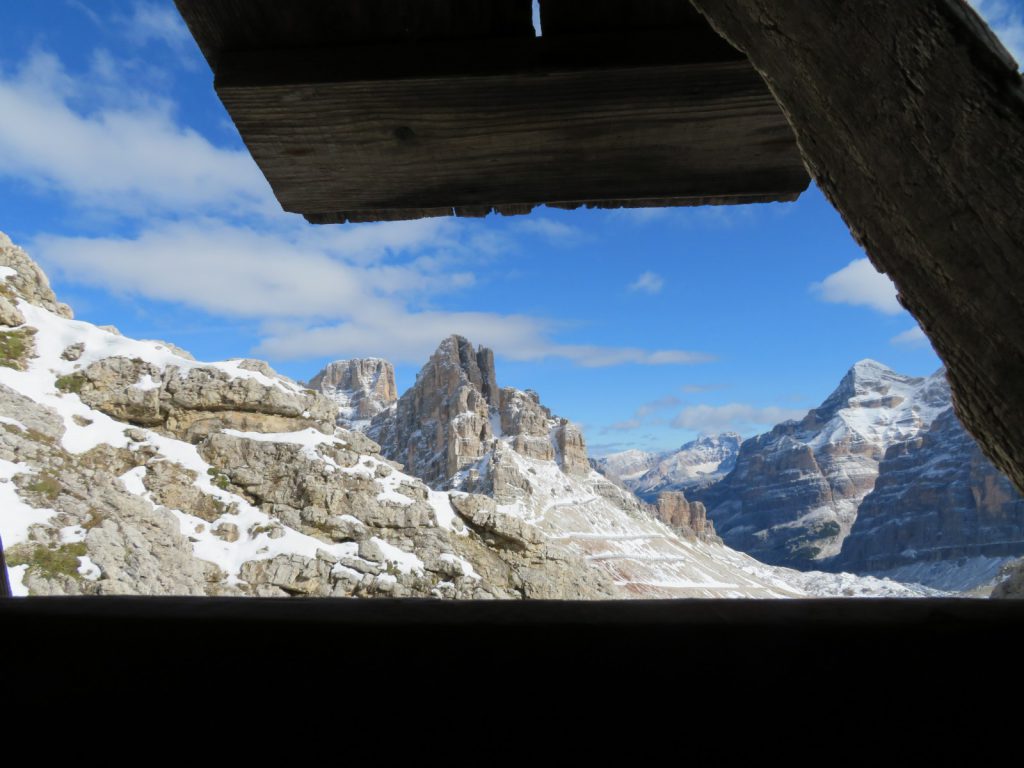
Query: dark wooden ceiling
[365, 110]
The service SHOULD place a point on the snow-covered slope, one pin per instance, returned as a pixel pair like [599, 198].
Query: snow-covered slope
[458, 428]
[696, 464]
[126, 467]
[794, 493]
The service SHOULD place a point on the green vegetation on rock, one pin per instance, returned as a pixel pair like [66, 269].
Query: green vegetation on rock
[62, 561]
[71, 383]
[16, 347]
[47, 485]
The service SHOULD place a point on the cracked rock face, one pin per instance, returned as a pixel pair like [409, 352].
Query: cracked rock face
[688, 516]
[937, 500]
[191, 403]
[794, 493]
[361, 388]
[443, 425]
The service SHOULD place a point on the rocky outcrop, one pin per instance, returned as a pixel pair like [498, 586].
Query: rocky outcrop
[908, 116]
[192, 402]
[939, 501]
[696, 464]
[361, 388]
[572, 449]
[442, 425]
[794, 493]
[690, 517]
[20, 277]
[527, 422]
[1010, 583]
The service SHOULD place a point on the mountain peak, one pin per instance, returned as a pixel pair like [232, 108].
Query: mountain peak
[362, 388]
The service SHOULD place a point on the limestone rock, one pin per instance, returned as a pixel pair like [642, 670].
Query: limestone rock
[362, 388]
[528, 421]
[9, 314]
[688, 516]
[793, 495]
[572, 449]
[1011, 582]
[28, 282]
[194, 402]
[937, 500]
[442, 425]
[73, 352]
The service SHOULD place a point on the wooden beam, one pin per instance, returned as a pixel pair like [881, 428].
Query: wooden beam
[688, 132]
[911, 117]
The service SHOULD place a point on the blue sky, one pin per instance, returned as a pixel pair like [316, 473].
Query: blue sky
[122, 174]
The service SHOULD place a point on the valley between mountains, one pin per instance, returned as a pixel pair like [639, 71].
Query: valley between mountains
[128, 467]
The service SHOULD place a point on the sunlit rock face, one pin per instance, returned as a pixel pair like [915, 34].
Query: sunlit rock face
[794, 493]
[361, 388]
[940, 512]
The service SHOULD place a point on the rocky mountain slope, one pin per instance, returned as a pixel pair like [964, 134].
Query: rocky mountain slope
[940, 513]
[361, 388]
[696, 464]
[794, 493]
[127, 467]
[459, 430]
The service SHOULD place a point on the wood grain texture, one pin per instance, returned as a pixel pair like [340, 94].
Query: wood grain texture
[911, 118]
[655, 133]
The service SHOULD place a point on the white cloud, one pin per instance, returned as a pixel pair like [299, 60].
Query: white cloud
[734, 417]
[859, 284]
[554, 231]
[129, 160]
[322, 292]
[1006, 21]
[648, 282]
[914, 337]
[156, 22]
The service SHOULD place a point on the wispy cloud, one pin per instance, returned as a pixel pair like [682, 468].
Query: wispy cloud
[859, 284]
[642, 416]
[124, 159]
[733, 417]
[155, 22]
[914, 337]
[648, 282]
[555, 232]
[362, 290]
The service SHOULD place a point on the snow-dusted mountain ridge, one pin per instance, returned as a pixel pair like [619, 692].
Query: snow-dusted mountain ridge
[696, 464]
[794, 492]
[127, 467]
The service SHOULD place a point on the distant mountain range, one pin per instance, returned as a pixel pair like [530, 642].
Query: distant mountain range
[696, 464]
[880, 479]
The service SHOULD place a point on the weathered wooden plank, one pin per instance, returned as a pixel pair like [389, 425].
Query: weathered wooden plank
[911, 116]
[654, 133]
[232, 25]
